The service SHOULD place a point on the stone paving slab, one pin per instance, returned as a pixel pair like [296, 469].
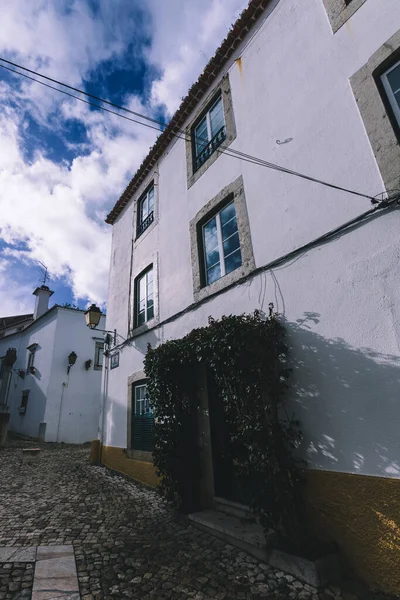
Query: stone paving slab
[13, 554]
[55, 573]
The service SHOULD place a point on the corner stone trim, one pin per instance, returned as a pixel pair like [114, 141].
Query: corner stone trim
[339, 12]
[235, 189]
[382, 137]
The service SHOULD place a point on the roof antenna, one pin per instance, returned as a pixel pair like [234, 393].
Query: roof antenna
[46, 275]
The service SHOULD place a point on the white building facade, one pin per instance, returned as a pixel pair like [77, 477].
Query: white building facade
[48, 397]
[315, 88]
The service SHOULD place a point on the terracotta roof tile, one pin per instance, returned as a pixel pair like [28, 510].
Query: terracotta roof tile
[213, 68]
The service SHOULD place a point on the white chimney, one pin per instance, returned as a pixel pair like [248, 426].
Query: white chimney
[42, 294]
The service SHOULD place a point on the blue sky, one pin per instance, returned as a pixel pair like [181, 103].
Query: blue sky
[63, 164]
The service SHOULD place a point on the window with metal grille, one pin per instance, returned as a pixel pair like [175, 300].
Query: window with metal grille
[142, 429]
[98, 356]
[145, 211]
[209, 133]
[221, 244]
[391, 84]
[24, 402]
[144, 303]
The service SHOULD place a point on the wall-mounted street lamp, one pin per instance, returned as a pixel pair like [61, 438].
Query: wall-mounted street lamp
[71, 360]
[92, 318]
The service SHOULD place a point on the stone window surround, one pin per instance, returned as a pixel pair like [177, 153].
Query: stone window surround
[339, 12]
[224, 89]
[136, 378]
[150, 260]
[234, 191]
[151, 180]
[376, 112]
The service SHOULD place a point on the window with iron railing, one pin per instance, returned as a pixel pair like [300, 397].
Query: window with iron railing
[209, 134]
[145, 212]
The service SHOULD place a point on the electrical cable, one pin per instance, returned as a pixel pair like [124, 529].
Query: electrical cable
[384, 206]
[221, 149]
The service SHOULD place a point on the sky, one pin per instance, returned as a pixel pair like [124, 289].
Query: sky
[63, 164]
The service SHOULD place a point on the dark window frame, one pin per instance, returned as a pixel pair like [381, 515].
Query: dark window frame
[200, 240]
[143, 422]
[24, 402]
[136, 297]
[141, 226]
[99, 346]
[377, 75]
[217, 96]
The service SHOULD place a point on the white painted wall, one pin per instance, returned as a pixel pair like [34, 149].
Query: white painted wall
[73, 406]
[42, 333]
[57, 333]
[341, 301]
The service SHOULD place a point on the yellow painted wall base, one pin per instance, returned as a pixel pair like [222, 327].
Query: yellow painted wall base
[116, 458]
[362, 514]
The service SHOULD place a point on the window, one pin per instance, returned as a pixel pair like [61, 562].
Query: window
[145, 211]
[24, 402]
[1, 366]
[144, 297]
[98, 356]
[31, 360]
[209, 133]
[142, 405]
[142, 429]
[391, 84]
[376, 90]
[221, 244]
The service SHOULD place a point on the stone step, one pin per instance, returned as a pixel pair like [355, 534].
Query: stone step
[241, 511]
[237, 532]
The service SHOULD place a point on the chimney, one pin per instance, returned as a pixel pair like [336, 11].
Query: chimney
[42, 294]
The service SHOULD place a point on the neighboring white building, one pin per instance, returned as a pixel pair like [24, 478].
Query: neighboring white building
[47, 398]
[314, 87]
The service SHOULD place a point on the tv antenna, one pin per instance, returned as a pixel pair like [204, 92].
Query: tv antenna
[46, 275]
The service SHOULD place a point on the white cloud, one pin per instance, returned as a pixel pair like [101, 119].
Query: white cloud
[186, 36]
[57, 209]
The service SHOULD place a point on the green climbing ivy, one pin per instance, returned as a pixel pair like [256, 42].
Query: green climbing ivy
[246, 360]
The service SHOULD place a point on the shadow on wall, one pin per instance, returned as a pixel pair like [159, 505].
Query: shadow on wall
[347, 400]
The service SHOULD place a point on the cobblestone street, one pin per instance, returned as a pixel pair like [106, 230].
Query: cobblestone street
[128, 542]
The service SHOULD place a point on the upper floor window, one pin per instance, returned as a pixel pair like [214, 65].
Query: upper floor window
[221, 244]
[209, 133]
[145, 211]
[391, 83]
[144, 297]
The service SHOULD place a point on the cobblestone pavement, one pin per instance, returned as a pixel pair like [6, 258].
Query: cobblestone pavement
[128, 542]
[16, 580]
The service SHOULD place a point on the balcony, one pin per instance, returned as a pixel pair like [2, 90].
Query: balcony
[211, 147]
[145, 224]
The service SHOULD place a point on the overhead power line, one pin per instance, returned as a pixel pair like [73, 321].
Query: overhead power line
[180, 134]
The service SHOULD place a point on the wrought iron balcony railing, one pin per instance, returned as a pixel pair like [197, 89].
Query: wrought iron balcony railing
[145, 224]
[212, 145]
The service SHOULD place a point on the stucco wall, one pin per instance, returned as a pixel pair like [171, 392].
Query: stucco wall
[56, 334]
[341, 298]
[43, 334]
[293, 105]
[79, 400]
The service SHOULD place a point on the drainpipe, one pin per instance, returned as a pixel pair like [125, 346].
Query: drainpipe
[104, 402]
[64, 385]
